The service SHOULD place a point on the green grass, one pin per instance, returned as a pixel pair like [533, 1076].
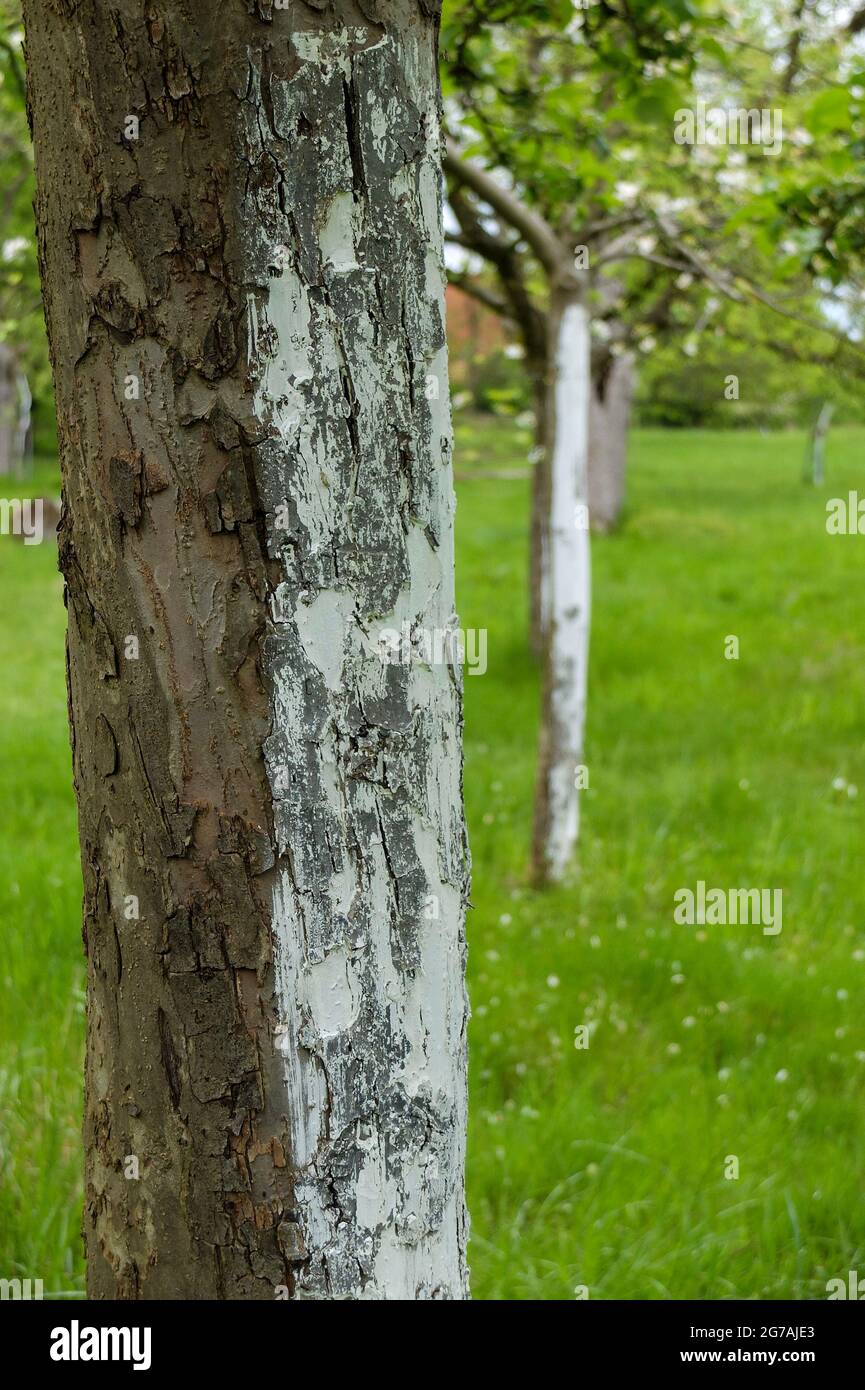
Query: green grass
[41, 964]
[602, 1167]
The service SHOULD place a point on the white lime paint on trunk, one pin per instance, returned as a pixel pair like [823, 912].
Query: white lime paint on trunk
[364, 757]
[568, 593]
[609, 419]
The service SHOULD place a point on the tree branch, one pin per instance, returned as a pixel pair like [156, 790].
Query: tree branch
[506, 260]
[469, 285]
[509, 207]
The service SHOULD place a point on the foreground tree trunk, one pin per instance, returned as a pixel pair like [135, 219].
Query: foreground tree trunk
[240, 236]
[567, 592]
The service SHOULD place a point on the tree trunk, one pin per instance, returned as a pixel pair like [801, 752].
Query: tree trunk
[244, 298]
[538, 557]
[24, 426]
[609, 420]
[568, 595]
[9, 463]
[609, 417]
[815, 458]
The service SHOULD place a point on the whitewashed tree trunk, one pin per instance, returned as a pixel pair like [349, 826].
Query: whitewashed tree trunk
[364, 759]
[815, 458]
[609, 423]
[567, 596]
[609, 419]
[245, 298]
[9, 410]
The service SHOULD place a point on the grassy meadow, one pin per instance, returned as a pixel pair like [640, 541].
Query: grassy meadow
[599, 1169]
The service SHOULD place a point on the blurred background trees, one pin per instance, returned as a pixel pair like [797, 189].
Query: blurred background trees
[574, 108]
[25, 375]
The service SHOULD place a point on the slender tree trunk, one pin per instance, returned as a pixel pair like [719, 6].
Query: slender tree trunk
[815, 458]
[9, 462]
[538, 556]
[24, 426]
[244, 296]
[566, 540]
[609, 418]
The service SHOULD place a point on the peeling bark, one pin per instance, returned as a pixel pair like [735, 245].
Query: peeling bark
[244, 299]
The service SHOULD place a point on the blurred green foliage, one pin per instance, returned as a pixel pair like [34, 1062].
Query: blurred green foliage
[21, 320]
[575, 107]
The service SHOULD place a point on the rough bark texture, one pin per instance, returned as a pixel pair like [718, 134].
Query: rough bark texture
[245, 308]
[567, 587]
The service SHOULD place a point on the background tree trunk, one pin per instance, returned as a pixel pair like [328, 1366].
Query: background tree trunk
[540, 506]
[244, 298]
[10, 459]
[609, 419]
[567, 543]
[609, 422]
[815, 457]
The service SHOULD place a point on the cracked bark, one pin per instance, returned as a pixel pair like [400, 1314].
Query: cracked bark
[245, 311]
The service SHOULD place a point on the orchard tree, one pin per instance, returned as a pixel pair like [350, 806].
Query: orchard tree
[239, 214]
[581, 175]
[528, 168]
[24, 369]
